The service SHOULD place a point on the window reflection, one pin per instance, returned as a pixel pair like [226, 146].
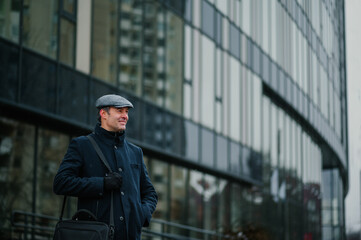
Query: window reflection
[130, 47]
[16, 168]
[207, 147]
[160, 179]
[191, 141]
[179, 176]
[210, 199]
[9, 20]
[174, 68]
[104, 54]
[51, 149]
[40, 26]
[67, 36]
[207, 82]
[195, 206]
[224, 210]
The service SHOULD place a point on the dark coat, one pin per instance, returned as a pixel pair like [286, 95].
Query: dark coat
[81, 174]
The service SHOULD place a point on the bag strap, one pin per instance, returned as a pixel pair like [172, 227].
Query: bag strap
[102, 157]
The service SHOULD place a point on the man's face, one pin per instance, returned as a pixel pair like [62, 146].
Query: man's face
[116, 120]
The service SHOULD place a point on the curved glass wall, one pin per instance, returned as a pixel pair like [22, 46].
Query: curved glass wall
[249, 93]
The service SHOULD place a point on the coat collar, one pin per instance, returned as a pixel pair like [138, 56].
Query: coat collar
[111, 138]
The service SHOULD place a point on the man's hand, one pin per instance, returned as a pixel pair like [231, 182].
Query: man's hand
[113, 181]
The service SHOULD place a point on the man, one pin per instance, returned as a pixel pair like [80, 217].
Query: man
[83, 175]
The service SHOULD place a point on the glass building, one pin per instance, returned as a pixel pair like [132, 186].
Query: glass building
[240, 107]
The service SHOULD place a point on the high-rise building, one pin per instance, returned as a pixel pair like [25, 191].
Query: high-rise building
[240, 108]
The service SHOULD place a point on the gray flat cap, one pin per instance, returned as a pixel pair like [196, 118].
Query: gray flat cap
[112, 100]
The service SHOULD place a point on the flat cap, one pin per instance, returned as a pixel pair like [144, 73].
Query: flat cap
[112, 100]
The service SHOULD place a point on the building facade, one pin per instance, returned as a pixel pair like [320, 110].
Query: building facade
[240, 107]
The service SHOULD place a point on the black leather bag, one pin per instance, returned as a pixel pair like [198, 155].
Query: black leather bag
[84, 225]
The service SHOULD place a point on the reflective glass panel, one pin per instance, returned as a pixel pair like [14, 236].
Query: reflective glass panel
[104, 29]
[155, 54]
[40, 26]
[179, 178]
[208, 19]
[222, 160]
[67, 41]
[10, 19]
[16, 169]
[210, 201]
[69, 6]
[159, 173]
[51, 149]
[130, 74]
[207, 147]
[191, 140]
[174, 66]
[207, 84]
[195, 207]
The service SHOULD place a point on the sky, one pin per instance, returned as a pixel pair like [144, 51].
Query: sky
[353, 58]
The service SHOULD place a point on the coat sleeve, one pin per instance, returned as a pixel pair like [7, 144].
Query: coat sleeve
[68, 180]
[149, 196]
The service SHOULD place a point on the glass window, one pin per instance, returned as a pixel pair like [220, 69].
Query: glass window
[219, 30]
[236, 206]
[83, 36]
[188, 10]
[225, 28]
[208, 19]
[222, 6]
[178, 196]
[207, 147]
[208, 81]
[40, 26]
[197, 13]
[196, 74]
[246, 162]
[234, 41]
[130, 38]
[225, 99]
[266, 145]
[256, 110]
[222, 153]
[174, 66]
[235, 158]
[67, 37]
[9, 62]
[235, 96]
[210, 201]
[256, 60]
[69, 6]
[16, 168]
[195, 206]
[10, 19]
[37, 71]
[160, 179]
[191, 140]
[224, 207]
[104, 29]
[73, 100]
[51, 149]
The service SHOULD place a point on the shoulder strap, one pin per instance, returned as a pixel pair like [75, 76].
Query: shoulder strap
[102, 157]
[99, 152]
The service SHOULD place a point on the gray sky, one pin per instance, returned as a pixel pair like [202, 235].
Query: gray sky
[353, 55]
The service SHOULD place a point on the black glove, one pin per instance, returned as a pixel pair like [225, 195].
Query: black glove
[113, 181]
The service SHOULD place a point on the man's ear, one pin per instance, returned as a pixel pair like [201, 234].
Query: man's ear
[103, 113]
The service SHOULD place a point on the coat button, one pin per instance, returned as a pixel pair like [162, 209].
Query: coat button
[115, 147]
[120, 169]
[121, 218]
[122, 193]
